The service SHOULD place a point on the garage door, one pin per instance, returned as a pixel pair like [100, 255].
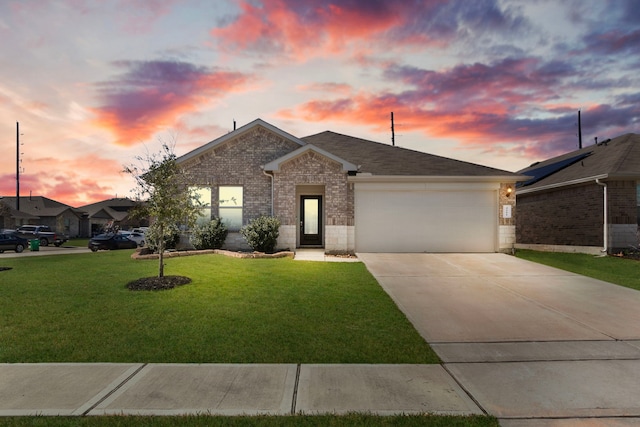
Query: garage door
[395, 220]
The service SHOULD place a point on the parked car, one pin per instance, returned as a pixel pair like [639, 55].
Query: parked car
[10, 241]
[111, 241]
[43, 233]
[133, 235]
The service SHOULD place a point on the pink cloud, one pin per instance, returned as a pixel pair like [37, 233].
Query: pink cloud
[153, 95]
[301, 29]
[74, 182]
[512, 104]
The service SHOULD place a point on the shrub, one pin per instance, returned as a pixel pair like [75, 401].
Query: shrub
[209, 236]
[262, 233]
[171, 238]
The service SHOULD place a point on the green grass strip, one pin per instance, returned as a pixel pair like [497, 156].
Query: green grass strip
[623, 272]
[355, 420]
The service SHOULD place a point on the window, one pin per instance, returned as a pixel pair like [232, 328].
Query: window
[202, 195]
[230, 206]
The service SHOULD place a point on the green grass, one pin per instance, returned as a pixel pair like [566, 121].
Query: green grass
[354, 420]
[77, 242]
[623, 272]
[76, 308]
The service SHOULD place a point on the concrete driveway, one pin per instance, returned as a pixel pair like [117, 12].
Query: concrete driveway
[526, 341]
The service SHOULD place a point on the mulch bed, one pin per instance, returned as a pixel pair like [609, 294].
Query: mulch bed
[157, 283]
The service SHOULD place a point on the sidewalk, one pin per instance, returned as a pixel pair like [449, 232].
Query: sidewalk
[228, 389]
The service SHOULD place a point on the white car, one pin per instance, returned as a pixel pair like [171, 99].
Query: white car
[133, 235]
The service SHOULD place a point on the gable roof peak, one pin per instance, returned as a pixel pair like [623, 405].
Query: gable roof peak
[257, 123]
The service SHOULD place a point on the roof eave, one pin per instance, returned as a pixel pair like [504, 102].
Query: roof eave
[274, 166]
[584, 180]
[367, 177]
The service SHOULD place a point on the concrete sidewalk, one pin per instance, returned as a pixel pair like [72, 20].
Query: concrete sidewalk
[228, 389]
[533, 345]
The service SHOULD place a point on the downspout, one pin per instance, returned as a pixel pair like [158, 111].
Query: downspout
[270, 175]
[606, 225]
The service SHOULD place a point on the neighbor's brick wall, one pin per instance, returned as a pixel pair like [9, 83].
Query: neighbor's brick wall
[623, 210]
[567, 216]
[574, 215]
[622, 202]
[313, 169]
[237, 162]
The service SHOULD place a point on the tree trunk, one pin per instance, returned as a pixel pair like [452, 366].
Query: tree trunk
[161, 253]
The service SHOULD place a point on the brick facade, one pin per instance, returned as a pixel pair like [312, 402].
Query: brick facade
[573, 215]
[238, 162]
[313, 170]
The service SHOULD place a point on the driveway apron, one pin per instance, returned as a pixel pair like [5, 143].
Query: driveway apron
[526, 341]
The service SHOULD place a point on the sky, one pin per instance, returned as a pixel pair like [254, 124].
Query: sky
[96, 84]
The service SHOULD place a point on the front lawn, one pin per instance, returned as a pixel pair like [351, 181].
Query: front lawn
[623, 272]
[76, 308]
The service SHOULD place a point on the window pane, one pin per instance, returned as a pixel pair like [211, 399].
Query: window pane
[230, 197]
[232, 217]
[311, 216]
[202, 194]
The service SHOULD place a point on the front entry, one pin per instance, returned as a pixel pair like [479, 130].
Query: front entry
[310, 220]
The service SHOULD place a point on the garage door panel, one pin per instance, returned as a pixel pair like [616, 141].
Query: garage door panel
[425, 221]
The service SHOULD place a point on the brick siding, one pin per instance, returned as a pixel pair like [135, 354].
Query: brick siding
[574, 215]
[238, 162]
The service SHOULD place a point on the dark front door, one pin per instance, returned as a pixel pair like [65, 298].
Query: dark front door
[311, 221]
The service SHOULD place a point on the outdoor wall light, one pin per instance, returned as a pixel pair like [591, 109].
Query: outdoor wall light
[509, 191]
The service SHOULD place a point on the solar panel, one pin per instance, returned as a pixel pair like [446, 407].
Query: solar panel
[544, 171]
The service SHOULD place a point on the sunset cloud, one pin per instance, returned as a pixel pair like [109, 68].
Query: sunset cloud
[512, 101]
[75, 181]
[151, 95]
[301, 29]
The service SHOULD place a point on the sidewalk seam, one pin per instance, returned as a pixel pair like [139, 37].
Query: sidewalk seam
[294, 398]
[464, 389]
[118, 387]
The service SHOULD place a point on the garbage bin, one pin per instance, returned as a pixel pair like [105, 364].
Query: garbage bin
[34, 244]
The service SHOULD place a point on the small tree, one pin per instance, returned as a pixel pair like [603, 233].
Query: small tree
[162, 184]
[262, 233]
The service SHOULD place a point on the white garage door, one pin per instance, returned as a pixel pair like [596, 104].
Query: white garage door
[389, 220]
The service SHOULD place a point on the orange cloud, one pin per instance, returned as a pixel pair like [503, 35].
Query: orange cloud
[83, 180]
[152, 95]
[302, 29]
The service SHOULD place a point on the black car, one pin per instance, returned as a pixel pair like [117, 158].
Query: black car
[111, 241]
[10, 241]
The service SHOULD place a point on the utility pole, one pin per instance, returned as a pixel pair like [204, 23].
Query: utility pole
[579, 131]
[17, 166]
[393, 132]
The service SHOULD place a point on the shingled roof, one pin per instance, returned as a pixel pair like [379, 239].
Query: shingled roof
[618, 158]
[387, 160]
[39, 206]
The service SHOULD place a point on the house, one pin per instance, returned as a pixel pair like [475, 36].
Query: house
[587, 200]
[40, 210]
[113, 211]
[347, 194]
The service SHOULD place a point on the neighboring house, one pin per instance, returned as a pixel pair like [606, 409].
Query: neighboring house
[109, 212]
[346, 194]
[562, 205]
[39, 210]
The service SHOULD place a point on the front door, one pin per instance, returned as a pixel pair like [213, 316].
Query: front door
[311, 221]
